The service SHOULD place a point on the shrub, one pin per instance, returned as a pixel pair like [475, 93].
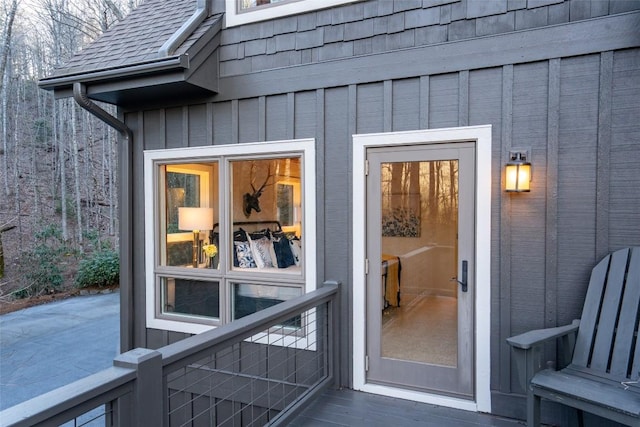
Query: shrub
[101, 269]
[41, 263]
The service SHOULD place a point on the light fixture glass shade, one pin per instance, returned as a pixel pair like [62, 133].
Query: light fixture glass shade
[518, 176]
[195, 218]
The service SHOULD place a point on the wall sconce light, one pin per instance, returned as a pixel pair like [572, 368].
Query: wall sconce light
[518, 172]
[195, 219]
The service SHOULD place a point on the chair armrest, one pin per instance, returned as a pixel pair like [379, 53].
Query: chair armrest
[528, 349]
[530, 339]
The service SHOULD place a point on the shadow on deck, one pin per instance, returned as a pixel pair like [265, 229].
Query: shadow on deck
[353, 408]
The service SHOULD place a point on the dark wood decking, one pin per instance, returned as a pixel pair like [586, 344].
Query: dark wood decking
[352, 408]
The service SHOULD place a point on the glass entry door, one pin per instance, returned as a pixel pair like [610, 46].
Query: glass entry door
[420, 281]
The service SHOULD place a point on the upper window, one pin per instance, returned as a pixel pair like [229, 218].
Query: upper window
[226, 232]
[240, 12]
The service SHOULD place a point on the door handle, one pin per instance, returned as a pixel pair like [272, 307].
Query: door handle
[463, 282]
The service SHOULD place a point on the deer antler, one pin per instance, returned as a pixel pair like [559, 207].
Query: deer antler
[251, 200]
[258, 192]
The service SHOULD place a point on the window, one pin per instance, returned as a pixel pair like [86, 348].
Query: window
[240, 12]
[229, 231]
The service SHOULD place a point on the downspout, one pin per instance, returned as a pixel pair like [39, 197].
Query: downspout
[125, 163]
[177, 38]
[80, 95]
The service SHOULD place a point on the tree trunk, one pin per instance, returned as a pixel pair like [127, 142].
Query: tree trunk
[76, 173]
[6, 42]
[2, 230]
[1, 258]
[414, 187]
[63, 184]
[4, 77]
[453, 186]
[5, 135]
[113, 199]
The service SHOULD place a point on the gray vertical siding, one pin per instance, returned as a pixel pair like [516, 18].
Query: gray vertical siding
[624, 196]
[578, 114]
[578, 119]
[529, 128]
[370, 117]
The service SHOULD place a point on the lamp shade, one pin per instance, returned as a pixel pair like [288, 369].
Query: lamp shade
[518, 175]
[195, 218]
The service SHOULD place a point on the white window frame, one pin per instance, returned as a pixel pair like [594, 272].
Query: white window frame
[234, 17]
[303, 147]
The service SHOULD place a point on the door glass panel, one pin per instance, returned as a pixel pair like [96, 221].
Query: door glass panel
[419, 206]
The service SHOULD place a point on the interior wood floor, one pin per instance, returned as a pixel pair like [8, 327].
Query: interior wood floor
[422, 329]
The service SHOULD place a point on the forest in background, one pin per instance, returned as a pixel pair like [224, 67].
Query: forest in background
[58, 163]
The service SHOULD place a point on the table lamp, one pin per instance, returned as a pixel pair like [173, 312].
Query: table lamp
[195, 219]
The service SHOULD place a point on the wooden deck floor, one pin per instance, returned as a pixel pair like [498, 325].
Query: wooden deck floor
[352, 408]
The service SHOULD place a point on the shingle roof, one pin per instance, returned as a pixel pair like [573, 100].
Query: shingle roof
[137, 38]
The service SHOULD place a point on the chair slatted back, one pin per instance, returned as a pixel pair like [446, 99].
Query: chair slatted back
[607, 340]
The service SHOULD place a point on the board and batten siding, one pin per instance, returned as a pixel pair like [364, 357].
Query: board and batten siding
[578, 114]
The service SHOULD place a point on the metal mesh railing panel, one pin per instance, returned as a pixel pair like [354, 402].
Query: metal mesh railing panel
[253, 379]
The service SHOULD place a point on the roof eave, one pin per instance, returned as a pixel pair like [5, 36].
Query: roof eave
[162, 65]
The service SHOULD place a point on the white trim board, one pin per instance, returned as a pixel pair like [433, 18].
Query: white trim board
[481, 135]
[275, 10]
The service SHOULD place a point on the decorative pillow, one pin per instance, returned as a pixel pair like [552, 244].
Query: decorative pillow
[255, 235]
[240, 236]
[261, 252]
[282, 249]
[244, 255]
[296, 250]
[272, 254]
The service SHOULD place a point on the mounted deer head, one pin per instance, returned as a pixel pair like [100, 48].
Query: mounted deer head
[251, 201]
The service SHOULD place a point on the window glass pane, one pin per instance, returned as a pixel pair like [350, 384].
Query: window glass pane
[190, 297]
[251, 298]
[189, 217]
[267, 211]
[251, 4]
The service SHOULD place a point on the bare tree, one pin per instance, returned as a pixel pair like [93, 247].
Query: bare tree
[4, 77]
[58, 163]
[6, 36]
[76, 173]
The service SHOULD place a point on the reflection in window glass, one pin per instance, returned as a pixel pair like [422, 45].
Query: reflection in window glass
[191, 297]
[183, 190]
[420, 209]
[188, 231]
[251, 298]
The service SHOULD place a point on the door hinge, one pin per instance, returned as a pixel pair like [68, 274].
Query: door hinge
[366, 266]
[366, 168]
[366, 363]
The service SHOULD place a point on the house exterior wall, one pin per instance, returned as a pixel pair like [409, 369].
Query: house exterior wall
[371, 27]
[574, 102]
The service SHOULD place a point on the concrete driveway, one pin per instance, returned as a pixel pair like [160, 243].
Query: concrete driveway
[51, 345]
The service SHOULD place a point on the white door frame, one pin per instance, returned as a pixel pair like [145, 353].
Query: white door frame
[481, 135]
